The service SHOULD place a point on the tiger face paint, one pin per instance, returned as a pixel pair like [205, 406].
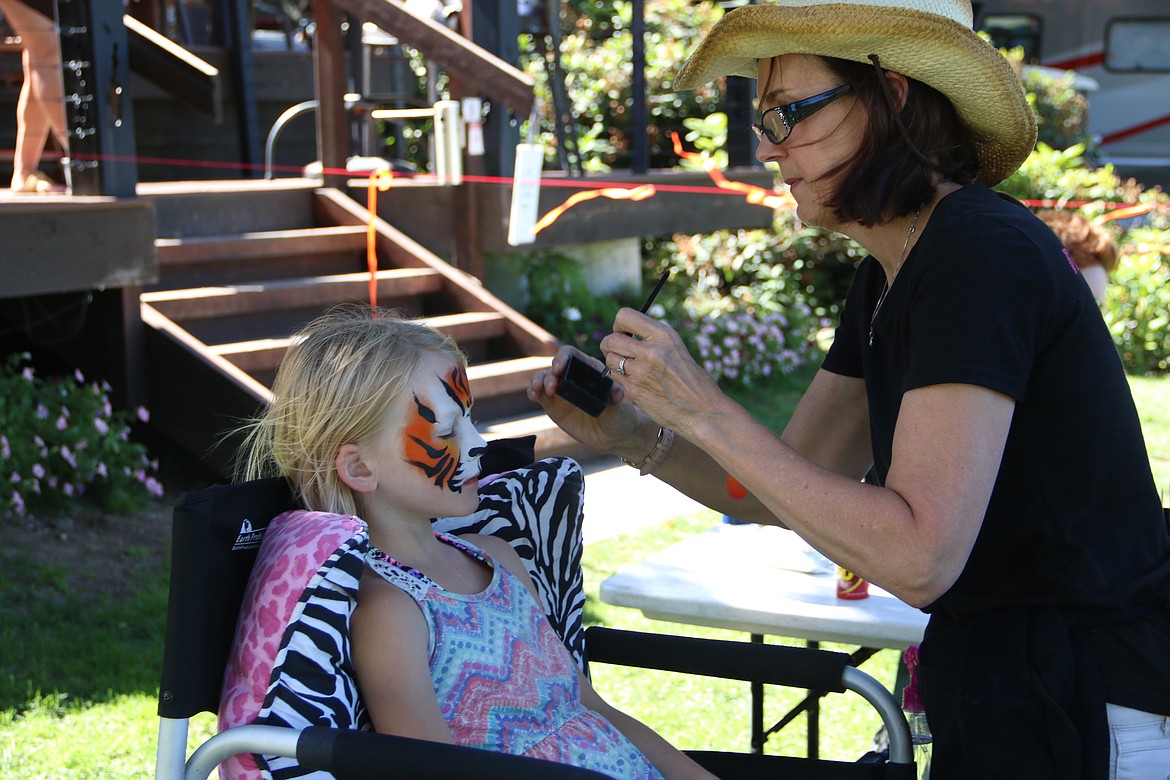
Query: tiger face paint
[439, 438]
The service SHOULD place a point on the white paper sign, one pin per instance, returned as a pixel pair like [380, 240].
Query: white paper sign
[525, 194]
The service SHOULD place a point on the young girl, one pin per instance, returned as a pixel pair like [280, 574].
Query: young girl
[371, 416]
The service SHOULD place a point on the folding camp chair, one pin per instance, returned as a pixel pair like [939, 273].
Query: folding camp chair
[537, 509]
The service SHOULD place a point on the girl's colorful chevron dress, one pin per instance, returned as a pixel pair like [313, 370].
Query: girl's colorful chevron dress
[502, 677]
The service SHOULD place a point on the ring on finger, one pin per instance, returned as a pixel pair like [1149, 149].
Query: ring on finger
[621, 369]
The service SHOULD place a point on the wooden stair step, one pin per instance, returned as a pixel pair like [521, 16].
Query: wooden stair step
[265, 354]
[505, 376]
[253, 356]
[550, 439]
[277, 244]
[470, 326]
[203, 303]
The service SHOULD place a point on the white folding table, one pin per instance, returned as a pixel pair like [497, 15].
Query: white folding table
[763, 580]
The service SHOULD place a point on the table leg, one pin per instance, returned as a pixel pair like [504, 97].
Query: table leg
[810, 705]
[814, 714]
[758, 736]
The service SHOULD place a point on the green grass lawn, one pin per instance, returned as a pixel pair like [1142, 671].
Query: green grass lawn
[1152, 396]
[79, 655]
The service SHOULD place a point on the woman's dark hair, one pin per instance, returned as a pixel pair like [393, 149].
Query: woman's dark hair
[893, 173]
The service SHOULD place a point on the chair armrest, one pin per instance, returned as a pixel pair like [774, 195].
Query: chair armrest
[797, 667]
[348, 755]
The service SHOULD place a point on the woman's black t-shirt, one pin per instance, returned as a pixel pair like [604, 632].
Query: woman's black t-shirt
[989, 297]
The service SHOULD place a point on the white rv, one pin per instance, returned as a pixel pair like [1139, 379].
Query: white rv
[1121, 45]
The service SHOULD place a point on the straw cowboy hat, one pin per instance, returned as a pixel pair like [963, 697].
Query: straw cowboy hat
[928, 40]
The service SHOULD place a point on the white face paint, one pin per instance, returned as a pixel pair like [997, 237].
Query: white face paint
[439, 438]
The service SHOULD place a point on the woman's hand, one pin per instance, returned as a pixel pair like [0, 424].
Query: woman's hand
[606, 433]
[658, 374]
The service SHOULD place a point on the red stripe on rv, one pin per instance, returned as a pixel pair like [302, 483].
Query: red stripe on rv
[1076, 63]
[1129, 132]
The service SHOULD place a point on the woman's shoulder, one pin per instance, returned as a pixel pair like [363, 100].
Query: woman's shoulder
[978, 204]
[978, 222]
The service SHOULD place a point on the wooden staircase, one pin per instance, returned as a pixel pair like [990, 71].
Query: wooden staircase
[228, 299]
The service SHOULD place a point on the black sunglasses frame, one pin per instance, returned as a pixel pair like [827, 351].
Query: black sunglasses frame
[793, 114]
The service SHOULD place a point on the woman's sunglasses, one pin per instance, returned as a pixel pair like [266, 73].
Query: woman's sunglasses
[776, 123]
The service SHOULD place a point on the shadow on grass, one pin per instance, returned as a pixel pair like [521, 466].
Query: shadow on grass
[79, 626]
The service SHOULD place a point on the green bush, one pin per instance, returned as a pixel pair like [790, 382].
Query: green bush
[62, 443]
[560, 301]
[1137, 307]
[740, 345]
[1063, 176]
[595, 55]
[749, 301]
[1062, 113]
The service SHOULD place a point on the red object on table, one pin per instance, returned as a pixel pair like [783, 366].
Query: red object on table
[850, 586]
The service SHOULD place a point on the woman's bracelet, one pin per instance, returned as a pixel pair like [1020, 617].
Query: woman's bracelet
[658, 454]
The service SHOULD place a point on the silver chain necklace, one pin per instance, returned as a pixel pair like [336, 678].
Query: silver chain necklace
[886, 286]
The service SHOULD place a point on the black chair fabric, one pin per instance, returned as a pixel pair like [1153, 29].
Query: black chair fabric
[216, 533]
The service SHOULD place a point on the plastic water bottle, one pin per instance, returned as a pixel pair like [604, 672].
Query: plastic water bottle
[916, 715]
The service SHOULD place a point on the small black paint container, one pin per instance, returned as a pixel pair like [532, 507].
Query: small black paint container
[585, 387]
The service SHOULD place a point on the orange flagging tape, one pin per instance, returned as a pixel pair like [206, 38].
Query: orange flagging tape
[757, 196]
[1125, 212]
[379, 180]
[640, 192]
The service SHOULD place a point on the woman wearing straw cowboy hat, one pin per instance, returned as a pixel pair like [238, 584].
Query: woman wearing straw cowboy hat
[1026, 523]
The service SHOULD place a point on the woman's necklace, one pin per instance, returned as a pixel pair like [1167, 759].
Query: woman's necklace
[886, 286]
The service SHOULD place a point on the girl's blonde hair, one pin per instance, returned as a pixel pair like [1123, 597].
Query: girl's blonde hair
[333, 387]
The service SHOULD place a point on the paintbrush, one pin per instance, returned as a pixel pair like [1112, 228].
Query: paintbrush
[649, 300]
[654, 293]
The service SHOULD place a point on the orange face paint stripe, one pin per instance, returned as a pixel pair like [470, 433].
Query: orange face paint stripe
[458, 388]
[735, 489]
[436, 460]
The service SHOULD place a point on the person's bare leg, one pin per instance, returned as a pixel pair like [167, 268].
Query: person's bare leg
[40, 108]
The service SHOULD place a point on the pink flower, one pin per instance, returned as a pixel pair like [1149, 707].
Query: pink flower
[154, 487]
[18, 502]
[62, 423]
[67, 456]
[5, 447]
[78, 376]
[102, 426]
[38, 471]
[143, 414]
